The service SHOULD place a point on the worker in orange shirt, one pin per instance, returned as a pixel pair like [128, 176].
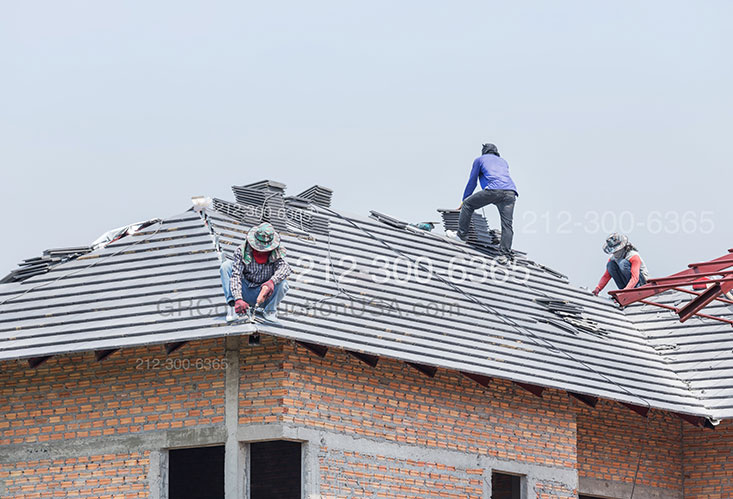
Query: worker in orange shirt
[625, 266]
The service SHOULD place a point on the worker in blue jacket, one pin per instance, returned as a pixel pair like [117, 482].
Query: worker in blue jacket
[497, 188]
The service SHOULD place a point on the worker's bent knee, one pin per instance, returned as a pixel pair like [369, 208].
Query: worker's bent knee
[472, 204]
[281, 287]
[625, 265]
[225, 267]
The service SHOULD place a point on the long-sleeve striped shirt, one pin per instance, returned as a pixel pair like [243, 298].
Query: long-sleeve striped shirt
[254, 274]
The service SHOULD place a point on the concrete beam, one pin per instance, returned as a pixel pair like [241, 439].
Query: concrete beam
[610, 488]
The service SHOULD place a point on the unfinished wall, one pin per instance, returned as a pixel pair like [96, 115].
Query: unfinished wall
[395, 403]
[95, 476]
[353, 474]
[135, 390]
[84, 428]
[262, 382]
[387, 431]
[708, 462]
[611, 438]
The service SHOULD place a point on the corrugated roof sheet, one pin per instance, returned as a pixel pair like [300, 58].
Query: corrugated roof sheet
[161, 285]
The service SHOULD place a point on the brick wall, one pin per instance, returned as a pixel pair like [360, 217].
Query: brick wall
[261, 382]
[97, 476]
[353, 474]
[141, 390]
[396, 403]
[549, 489]
[73, 397]
[611, 437]
[708, 462]
[134, 390]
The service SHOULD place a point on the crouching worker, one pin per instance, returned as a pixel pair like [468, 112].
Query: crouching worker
[257, 276]
[625, 265]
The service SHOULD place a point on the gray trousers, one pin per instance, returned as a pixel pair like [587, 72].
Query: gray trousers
[504, 201]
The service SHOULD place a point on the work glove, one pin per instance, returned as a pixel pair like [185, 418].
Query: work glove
[241, 307]
[596, 291]
[265, 291]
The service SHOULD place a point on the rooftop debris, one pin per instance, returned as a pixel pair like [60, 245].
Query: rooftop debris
[572, 314]
[120, 232]
[391, 221]
[51, 257]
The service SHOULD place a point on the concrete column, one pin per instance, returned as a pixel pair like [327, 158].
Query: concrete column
[158, 474]
[310, 470]
[486, 485]
[234, 472]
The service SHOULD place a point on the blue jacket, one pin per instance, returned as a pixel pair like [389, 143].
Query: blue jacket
[492, 172]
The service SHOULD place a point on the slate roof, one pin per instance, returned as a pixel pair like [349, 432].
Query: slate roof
[161, 285]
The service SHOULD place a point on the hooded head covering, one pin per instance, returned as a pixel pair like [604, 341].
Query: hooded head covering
[489, 148]
[615, 242]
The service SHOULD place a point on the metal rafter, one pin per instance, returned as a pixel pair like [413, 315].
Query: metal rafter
[715, 277]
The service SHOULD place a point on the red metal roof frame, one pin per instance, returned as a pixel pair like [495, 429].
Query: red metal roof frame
[715, 278]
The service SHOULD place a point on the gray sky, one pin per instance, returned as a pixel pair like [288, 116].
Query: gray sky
[612, 112]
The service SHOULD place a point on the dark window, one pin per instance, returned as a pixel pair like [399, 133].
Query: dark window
[505, 486]
[196, 473]
[275, 470]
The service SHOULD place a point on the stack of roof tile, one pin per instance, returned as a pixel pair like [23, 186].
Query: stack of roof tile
[318, 195]
[42, 264]
[478, 230]
[262, 185]
[300, 215]
[267, 197]
[247, 214]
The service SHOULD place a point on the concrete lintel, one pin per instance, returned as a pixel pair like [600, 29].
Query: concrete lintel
[114, 444]
[256, 433]
[193, 437]
[611, 488]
